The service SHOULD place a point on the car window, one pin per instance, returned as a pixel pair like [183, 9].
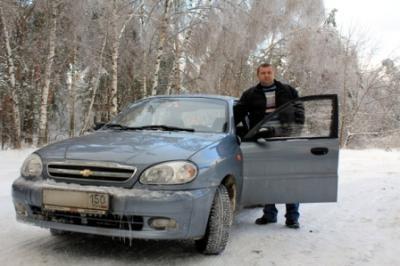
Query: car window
[200, 114]
[301, 119]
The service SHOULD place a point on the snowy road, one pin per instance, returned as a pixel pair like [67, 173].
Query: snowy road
[363, 228]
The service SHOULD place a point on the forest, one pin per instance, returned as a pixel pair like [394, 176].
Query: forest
[65, 65]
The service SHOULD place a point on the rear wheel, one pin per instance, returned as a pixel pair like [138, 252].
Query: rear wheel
[219, 222]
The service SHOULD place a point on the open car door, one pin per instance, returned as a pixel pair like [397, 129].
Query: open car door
[292, 155]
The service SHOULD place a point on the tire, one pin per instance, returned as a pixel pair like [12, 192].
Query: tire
[219, 222]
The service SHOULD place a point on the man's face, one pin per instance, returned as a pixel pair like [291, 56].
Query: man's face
[266, 75]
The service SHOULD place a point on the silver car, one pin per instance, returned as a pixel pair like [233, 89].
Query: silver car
[177, 167]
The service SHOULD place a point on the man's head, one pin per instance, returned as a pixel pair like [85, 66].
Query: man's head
[266, 74]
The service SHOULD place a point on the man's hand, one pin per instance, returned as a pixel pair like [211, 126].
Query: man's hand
[266, 132]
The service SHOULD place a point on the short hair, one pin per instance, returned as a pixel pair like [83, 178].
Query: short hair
[264, 65]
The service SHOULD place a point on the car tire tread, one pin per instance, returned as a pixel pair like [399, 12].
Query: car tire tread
[219, 223]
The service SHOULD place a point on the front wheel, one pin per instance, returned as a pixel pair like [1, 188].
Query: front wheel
[219, 222]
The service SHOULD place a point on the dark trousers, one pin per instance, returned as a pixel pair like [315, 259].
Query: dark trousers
[292, 212]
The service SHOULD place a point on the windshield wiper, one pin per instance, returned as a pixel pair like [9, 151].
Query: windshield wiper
[167, 128]
[151, 127]
[118, 126]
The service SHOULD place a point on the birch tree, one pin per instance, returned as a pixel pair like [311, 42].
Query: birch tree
[49, 64]
[117, 31]
[16, 125]
[95, 85]
[161, 43]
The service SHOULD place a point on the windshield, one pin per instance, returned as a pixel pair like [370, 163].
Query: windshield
[195, 114]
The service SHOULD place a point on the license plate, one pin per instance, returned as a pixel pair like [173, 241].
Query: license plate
[75, 201]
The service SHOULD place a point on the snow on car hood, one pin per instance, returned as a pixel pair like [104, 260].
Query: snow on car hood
[144, 147]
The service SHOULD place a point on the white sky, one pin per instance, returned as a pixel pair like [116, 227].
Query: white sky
[377, 20]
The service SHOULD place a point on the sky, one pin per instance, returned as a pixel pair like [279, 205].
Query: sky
[379, 21]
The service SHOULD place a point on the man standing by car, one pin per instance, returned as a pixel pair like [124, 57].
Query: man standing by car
[256, 102]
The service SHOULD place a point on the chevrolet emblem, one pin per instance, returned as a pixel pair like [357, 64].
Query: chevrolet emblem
[86, 172]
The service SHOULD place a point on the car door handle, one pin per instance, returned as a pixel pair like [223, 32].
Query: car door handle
[319, 151]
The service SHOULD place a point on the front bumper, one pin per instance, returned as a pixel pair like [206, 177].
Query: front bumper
[190, 209]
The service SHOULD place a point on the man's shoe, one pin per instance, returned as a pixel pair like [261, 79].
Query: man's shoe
[293, 224]
[264, 220]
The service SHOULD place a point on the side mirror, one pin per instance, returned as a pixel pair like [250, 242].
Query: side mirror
[98, 125]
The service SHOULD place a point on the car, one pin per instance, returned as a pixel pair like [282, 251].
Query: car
[179, 167]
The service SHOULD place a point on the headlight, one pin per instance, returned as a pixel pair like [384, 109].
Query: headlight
[32, 166]
[169, 173]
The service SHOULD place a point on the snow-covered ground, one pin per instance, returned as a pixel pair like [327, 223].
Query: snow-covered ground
[362, 228]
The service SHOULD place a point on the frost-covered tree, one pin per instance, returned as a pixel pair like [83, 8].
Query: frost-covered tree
[73, 63]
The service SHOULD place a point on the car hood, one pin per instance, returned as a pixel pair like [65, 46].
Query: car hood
[130, 147]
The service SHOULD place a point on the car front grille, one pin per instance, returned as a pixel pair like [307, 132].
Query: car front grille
[122, 222]
[90, 171]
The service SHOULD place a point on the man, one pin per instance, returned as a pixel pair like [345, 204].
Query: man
[257, 102]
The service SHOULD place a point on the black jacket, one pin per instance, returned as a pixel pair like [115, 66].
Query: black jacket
[253, 102]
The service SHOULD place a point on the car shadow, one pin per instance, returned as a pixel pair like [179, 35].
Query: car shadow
[101, 248]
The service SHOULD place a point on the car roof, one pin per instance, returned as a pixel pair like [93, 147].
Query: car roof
[210, 96]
